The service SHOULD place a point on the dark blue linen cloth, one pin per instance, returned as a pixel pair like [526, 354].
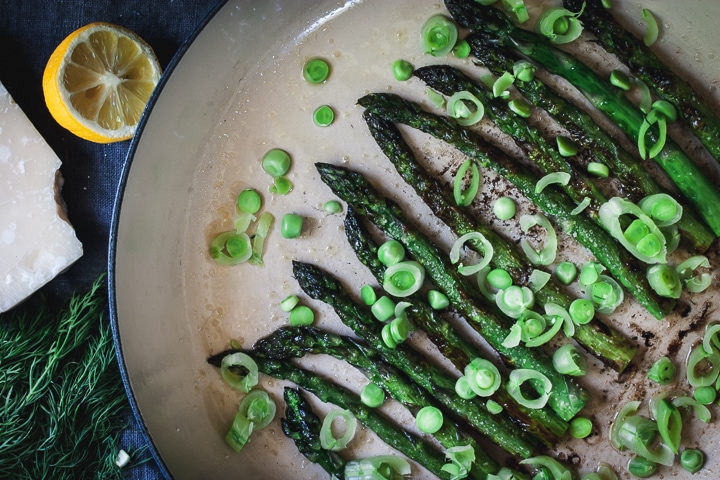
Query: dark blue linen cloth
[29, 32]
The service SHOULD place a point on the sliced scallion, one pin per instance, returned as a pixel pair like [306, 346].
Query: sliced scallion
[621, 80]
[559, 25]
[239, 432]
[231, 248]
[651, 248]
[438, 35]
[476, 237]
[637, 434]
[515, 300]
[328, 440]
[259, 408]
[669, 424]
[653, 29]
[463, 389]
[569, 361]
[240, 371]
[482, 377]
[694, 283]
[381, 467]
[521, 107]
[581, 206]
[436, 99]
[538, 279]
[598, 169]
[501, 85]
[462, 197]
[524, 70]
[546, 255]
[561, 178]
[566, 146]
[404, 278]
[461, 459]
[702, 368]
[662, 371]
[465, 107]
[262, 230]
[516, 10]
[665, 281]
[539, 382]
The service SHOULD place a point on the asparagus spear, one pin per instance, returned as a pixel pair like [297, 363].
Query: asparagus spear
[598, 145]
[685, 174]
[646, 66]
[415, 448]
[567, 398]
[319, 285]
[617, 260]
[447, 80]
[292, 342]
[541, 422]
[602, 341]
[303, 427]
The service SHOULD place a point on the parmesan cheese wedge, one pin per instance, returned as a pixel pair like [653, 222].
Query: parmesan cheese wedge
[36, 240]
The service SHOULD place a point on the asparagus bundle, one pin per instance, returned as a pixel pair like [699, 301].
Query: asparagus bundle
[646, 66]
[543, 423]
[636, 181]
[600, 340]
[554, 203]
[567, 398]
[685, 174]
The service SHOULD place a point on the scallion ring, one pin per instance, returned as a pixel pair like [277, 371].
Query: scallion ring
[258, 407]
[569, 361]
[662, 371]
[461, 460]
[651, 248]
[479, 240]
[482, 377]
[501, 84]
[697, 283]
[404, 278]
[240, 371]
[653, 29]
[559, 25]
[664, 280]
[606, 294]
[515, 300]
[637, 434]
[628, 409]
[546, 255]
[562, 178]
[524, 70]
[516, 10]
[540, 383]
[328, 440]
[702, 368]
[438, 35]
[462, 197]
[465, 107]
[662, 208]
[379, 467]
[538, 279]
[669, 424]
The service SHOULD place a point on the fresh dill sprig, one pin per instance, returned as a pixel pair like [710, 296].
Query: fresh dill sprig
[62, 402]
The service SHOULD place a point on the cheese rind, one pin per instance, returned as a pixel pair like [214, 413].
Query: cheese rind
[36, 240]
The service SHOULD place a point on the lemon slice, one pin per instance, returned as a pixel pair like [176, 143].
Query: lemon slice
[98, 81]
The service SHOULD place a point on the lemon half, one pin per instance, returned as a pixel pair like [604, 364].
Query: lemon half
[98, 81]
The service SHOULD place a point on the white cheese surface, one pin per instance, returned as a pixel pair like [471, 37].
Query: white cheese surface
[36, 240]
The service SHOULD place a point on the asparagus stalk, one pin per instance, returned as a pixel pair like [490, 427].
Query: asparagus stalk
[646, 66]
[604, 342]
[567, 398]
[302, 426]
[292, 342]
[414, 447]
[598, 145]
[617, 260]
[686, 175]
[541, 422]
[319, 285]
[448, 81]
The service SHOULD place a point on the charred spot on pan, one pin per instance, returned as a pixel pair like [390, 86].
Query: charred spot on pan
[647, 336]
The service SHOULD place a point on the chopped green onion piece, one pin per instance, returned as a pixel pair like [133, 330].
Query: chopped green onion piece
[501, 85]
[540, 383]
[655, 150]
[243, 221]
[504, 208]
[698, 283]
[240, 371]
[569, 361]
[383, 309]
[258, 407]
[383, 467]
[514, 300]
[559, 25]
[701, 411]
[261, 232]
[566, 272]
[610, 213]
[499, 279]
[230, 248]
[538, 279]
[556, 177]
[710, 338]
[642, 467]
[581, 206]
[461, 49]
[372, 395]
[239, 432]
[637, 434]
[436, 99]
[556, 469]
[327, 438]
[438, 300]
[461, 460]
[653, 29]
[669, 424]
[590, 272]
[429, 419]
[438, 35]
[566, 146]
[387, 337]
[402, 70]
[486, 290]
[665, 281]
[460, 242]
[546, 255]
[524, 70]
[662, 371]
[628, 409]
[404, 278]
[606, 294]
[621, 80]
[291, 225]
[702, 367]
[301, 316]
[535, 339]
[666, 108]
[705, 395]
[514, 338]
[581, 311]
[249, 201]
[400, 309]
[493, 407]
[391, 252]
[465, 107]
[332, 206]
[598, 169]
[289, 303]
[645, 98]
[520, 107]
[465, 198]
[368, 295]
[316, 70]
[281, 186]
[516, 10]
[580, 427]
[606, 4]
[692, 460]
[399, 329]
[463, 389]
[483, 377]
[323, 116]
[276, 162]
